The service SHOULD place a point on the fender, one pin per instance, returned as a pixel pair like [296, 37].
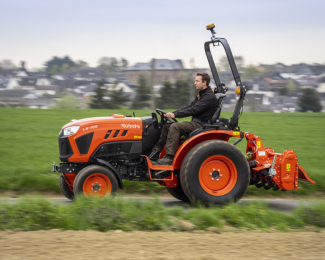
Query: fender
[120, 182]
[199, 138]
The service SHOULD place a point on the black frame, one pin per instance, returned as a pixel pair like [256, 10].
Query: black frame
[233, 122]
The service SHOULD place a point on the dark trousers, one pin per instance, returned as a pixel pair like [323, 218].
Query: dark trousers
[170, 134]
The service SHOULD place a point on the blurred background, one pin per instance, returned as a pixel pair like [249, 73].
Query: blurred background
[54, 54]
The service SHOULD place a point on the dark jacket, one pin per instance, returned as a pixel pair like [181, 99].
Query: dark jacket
[202, 107]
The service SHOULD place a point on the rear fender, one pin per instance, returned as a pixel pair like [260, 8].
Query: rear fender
[205, 136]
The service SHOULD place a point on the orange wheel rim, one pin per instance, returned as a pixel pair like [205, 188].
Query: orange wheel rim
[97, 185]
[218, 175]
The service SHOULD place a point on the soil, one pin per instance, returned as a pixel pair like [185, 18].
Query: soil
[56, 244]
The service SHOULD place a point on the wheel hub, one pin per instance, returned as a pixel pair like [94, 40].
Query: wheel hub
[217, 175]
[97, 185]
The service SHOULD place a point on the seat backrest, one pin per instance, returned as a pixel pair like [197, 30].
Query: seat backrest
[216, 114]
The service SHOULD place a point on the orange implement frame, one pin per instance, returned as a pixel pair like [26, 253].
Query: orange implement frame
[283, 169]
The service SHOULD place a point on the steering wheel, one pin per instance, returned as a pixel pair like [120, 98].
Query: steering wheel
[164, 119]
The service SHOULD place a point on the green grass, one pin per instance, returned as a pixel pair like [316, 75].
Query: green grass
[112, 214]
[28, 146]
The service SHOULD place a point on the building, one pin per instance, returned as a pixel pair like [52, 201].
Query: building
[156, 71]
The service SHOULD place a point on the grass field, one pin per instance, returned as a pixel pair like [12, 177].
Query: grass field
[28, 146]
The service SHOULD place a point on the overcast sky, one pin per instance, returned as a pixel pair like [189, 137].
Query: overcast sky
[139, 30]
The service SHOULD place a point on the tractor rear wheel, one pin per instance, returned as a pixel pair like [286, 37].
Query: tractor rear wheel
[64, 187]
[178, 192]
[95, 181]
[215, 172]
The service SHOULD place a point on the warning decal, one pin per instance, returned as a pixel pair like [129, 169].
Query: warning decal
[288, 167]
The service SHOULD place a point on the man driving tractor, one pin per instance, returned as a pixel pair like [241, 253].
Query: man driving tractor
[201, 109]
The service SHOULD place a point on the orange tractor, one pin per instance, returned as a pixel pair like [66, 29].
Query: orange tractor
[98, 153]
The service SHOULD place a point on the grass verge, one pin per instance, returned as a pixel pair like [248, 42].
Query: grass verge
[113, 214]
[29, 146]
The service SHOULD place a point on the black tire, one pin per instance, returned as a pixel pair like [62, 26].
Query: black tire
[64, 187]
[178, 192]
[196, 157]
[90, 172]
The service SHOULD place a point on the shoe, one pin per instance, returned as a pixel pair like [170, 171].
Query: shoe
[166, 160]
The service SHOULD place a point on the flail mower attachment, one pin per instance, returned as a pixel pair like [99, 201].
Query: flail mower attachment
[273, 170]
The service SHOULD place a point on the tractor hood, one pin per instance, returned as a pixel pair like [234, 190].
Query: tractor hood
[102, 120]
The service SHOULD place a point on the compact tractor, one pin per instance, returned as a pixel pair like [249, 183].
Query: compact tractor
[98, 153]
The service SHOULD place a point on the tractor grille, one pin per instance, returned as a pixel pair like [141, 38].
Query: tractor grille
[64, 148]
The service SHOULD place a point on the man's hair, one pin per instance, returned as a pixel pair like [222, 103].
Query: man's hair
[205, 77]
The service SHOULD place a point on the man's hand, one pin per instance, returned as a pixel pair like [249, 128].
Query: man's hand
[170, 115]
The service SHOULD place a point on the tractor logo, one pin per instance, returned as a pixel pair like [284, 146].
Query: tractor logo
[130, 126]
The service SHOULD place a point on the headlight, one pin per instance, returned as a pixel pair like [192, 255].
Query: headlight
[70, 130]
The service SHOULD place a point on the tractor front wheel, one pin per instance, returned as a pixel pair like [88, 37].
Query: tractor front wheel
[215, 172]
[95, 181]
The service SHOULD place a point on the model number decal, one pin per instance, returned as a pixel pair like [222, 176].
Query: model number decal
[130, 126]
[89, 127]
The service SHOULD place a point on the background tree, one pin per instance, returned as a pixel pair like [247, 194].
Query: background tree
[310, 101]
[291, 86]
[250, 71]
[283, 91]
[7, 65]
[68, 101]
[224, 64]
[59, 62]
[142, 98]
[82, 64]
[175, 96]
[65, 67]
[98, 101]
[124, 63]
[117, 97]
[167, 94]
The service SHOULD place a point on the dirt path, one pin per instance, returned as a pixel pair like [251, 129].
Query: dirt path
[55, 244]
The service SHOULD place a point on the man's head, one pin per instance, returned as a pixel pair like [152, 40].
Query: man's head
[202, 81]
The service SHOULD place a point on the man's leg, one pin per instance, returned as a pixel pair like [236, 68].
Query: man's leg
[175, 130]
[163, 138]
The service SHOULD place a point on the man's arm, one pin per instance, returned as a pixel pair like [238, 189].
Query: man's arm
[184, 107]
[200, 106]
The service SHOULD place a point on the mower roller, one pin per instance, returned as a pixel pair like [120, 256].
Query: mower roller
[98, 153]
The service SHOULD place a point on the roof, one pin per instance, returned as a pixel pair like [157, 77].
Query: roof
[158, 64]
[14, 93]
[38, 74]
[55, 88]
[140, 66]
[4, 81]
[28, 81]
[85, 73]
[164, 64]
